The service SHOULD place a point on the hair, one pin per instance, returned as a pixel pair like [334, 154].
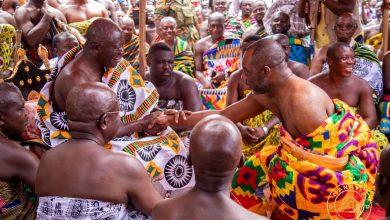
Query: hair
[158, 47]
[334, 47]
[355, 21]
[267, 52]
[168, 19]
[99, 30]
[5, 89]
[215, 16]
[120, 21]
[258, 1]
[251, 38]
[60, 36]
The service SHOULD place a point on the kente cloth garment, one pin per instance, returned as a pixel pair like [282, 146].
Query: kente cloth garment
[213, 99]
[163, 155]
[82, 26]
[262, 32]
[379, 138]
[16, 201]
[367, 67]
[184, 58]
[247, 22]
[248, 148]
[184, 13]
[234, 26]
[300, 50]
[7, 33]
[55, 207]
[384, 108]
[131, 51]
[298, 25]
[304, 173]
[375, 41]
[221, 56]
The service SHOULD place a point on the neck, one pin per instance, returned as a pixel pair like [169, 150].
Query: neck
[337, 80]
[213, 182]
[93, 65]
[86, 136]
[170, 43]
[347, 41]
[159, 82]
[283, 80]
[151, 24]
[82, 2]
[260, 23]
[213, 40]
[224, 193]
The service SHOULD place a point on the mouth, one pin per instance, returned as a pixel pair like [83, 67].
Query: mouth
[166, 74]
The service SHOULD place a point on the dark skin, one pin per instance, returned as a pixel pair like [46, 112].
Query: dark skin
[89, 67]
[33, 18]
[168, 31]
[280, 23]
[259, 9]
[386, 73]
[65, 43]
[150, 26]
[274, 87]
[337, 7]
[173, 85]
[341, 84]
[18, 164]
[127, 26]
[216, 29]
[109, 5]
[95, 172]
[81, 10]
[220, 6]
[236, 91]
[344, 29]
[297, 68]
[9, 6]
[246, 8]
[215, 136]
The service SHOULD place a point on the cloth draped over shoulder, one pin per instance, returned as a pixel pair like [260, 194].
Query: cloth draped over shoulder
[7, 32]
[55, 207]
[131, 52]
[163, 155]
[184, 58]
[303, 173]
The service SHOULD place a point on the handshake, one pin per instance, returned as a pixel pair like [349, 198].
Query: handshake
[158, 121]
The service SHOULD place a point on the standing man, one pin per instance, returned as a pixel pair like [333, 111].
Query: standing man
[38, 20]
[259, 9]
[184, 58]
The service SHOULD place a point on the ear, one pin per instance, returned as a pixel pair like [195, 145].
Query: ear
[2, 122]
[267, 71]
[242, 161]
[382, 184]
[103, 122]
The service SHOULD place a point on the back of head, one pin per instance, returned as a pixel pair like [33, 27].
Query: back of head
[8, 93]
[100, 30]
[266, 52]
[88, 101]
[215, 145]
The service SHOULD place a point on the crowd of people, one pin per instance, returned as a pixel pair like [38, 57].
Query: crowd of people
[241, 109]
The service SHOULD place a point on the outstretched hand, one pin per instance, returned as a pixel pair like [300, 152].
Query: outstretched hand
[170, 116]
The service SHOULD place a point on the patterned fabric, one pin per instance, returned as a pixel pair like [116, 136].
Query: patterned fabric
[298, 24]
[131, 51]
[375, 41]
[221, 56]
[161, 155]
[82, 26]
[300, 50]
[367, 67]
[184, 58]
[249, 148]
[234, 26]
[338, 152]
[214, 99]
[247, 22]
[15, 202]
[384, 108]
[53, 207]
[7, 33]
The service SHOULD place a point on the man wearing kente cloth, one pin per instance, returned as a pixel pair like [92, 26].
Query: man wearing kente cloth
[214, 55]
[232, 24]
[158, 148]
[184, 58]
[324, 144]
[184, 13]
[367, 65]
[259, 9]
[384, 106]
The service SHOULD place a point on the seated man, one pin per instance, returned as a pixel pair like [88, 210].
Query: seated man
[131, 45]
[62, 43]
[340, 83]
[382, 191]
[214, 56]
[81, 174]
[300, 50]
[232, 25]
[309, 156]
[184, 58]
[297, 68]
[18, 165]
[367, 64]
[159, 148]
[80, 13]
[215, 154]
[247, 19]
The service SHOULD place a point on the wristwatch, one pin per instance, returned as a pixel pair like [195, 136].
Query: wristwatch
[265, 129]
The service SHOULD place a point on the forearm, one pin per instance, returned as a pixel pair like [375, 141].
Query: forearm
[338, 7]
[272, 122]
[371, 122]
[192, 119]
[301, 8]
[130, 128]
[37, 34]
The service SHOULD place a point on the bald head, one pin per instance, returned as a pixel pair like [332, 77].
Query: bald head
[9, 95]
[215, 145]
[101, 30]
[266, 52]
[216, 16]
[334, 49]
[88, 101]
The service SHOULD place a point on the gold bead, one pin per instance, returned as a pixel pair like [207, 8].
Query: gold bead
[38, 78]
[47, 76]
[29, 81]
[27, 69]
[21, 83]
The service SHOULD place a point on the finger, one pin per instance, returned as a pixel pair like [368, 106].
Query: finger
[183, 115]
[177, 115]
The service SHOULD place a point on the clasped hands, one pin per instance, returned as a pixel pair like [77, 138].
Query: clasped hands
[158, 121]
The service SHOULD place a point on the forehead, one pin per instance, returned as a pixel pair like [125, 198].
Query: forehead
[168, 23]
[220, 2]
[280, 16]
[216, 20]
[344, 19]
[257, 5]
[126, 22]
[162, 55]
[342, 51]
[246, 2]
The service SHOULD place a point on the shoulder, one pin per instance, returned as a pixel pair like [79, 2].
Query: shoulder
[323, 50]
[126, 166]
[14, 154]
[361, 84]
[318, 78]
[163, 210]
[235, 77]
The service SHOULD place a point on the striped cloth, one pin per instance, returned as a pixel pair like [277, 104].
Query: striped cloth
[131, 51]
[184, 58]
